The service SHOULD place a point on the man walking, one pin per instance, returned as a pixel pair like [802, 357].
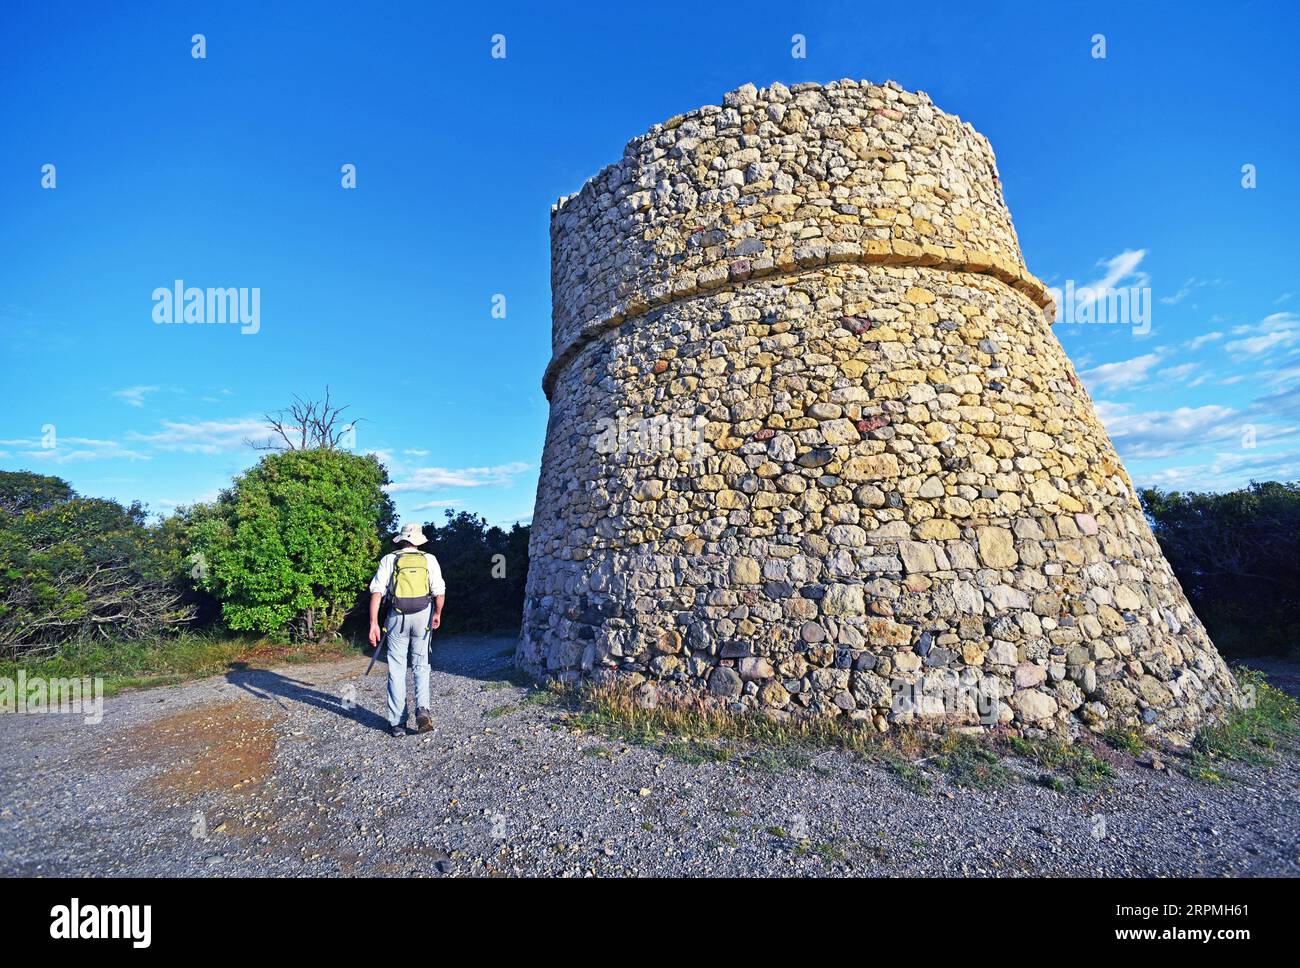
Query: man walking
[412, 582]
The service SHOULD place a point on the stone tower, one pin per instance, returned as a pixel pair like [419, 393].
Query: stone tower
[814, 449]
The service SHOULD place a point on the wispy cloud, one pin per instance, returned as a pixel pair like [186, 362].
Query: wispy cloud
[71, 450]
[134, 396]
[1226, 470]
[430, 505]
[1187, 288]
[431, 478]
[1203, 339]
[1182, 372]
[205, 436]
[170, 504]
[1116, 269]
[1275, 331]
[1164, 433]
[1155, 434]
[1123, 374]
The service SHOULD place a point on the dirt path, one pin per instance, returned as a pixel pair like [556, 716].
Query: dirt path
[279, 772]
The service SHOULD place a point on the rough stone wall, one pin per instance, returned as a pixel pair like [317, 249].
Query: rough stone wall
[813, 447]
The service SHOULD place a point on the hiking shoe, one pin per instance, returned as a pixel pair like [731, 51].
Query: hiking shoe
[423, 720]
[396, 731]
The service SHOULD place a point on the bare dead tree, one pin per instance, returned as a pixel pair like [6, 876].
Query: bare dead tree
[306, 425]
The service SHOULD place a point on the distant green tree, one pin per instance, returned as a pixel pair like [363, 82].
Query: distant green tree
[1237, 556]
[24, 491]
[290, 546]
[81, 568]
[485, 567]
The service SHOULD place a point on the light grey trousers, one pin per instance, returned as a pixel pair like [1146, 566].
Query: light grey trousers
[408, 644]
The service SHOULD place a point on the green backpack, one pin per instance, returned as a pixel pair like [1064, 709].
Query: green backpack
[408, 589]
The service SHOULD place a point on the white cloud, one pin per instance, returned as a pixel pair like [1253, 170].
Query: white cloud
[431, 478]
[1285, 375]
[1227, 470]
[1155, 434]
[1122, 374]
[1276, 331]
[169, 504]
[430, 505]
[1180, 372]
[1199, 341]
[1163, 433]
[1120, 267]
[134, 396]
[71, 450]
[1187, 288]
[1117, 269]
[206, 436]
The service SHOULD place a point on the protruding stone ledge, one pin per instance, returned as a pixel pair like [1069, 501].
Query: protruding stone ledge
[724, 274]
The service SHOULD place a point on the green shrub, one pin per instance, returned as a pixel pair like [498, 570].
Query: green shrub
[1253, 732]
[485, 569]
[82, 568]
[24, 491]
[1237, 556]
[290, 547]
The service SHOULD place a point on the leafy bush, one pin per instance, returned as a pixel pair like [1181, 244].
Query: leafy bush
[81, 568]
[485, 593]
[1237, 556]
[24, 491]
[291, 545]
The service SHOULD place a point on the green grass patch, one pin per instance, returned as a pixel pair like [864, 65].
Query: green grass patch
[541, 697]
[1079, 764]
[696, 751]
[827, 852]
[917, 780]
[617, 712]
[971, 762]
[159, 662]
[496, 712]
[1253, 734]
[1125, 740]
[763, 759]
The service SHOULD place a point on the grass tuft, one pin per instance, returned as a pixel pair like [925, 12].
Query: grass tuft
[1081, 766]
[1253, 734]
[1125, 740]
[698, 729]
[971, 762]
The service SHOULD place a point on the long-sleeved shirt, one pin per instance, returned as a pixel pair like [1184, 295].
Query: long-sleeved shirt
[379, 584]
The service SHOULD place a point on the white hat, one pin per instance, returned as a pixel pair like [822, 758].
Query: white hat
[413, 534]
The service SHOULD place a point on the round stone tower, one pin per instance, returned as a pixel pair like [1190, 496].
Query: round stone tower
[814, 449]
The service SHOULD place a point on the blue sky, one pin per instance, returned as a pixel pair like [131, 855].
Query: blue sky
[225, 171]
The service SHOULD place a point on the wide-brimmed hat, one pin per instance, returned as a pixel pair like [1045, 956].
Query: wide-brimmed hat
[413, 534]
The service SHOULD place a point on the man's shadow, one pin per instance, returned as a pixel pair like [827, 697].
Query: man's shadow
[265, 684]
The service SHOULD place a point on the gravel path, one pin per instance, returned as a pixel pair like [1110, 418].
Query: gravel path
[267, 773]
